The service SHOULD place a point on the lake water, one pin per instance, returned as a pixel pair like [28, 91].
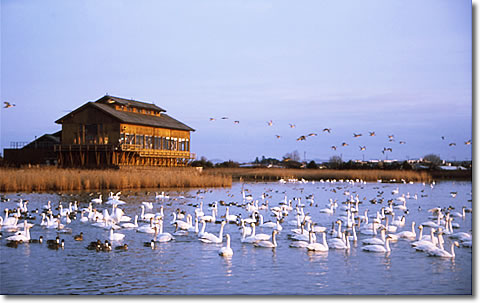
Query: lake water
[186, 266]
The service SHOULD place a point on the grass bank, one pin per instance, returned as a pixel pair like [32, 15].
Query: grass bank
[273, 174]
[58, 179]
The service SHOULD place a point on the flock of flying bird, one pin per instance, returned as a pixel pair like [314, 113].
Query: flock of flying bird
[391, 138]
[350, 222]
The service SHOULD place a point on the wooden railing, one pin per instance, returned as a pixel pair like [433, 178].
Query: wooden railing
[142, 152]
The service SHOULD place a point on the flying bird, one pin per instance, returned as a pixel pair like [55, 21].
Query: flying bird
[328, 130]
[236, 122]
[212, 119]
[8, 104]
[443, 138]
[333, 147]
[362, 147]
[224, 118]
[270, 123]
[301, 138]
[292, 125]
[344, 144]
[278, 137]
[468, 142]
[452, 144]
[387, 149]
[356, 135]
[312, 134]
[390, 137]
[402, 142]
[371, 134]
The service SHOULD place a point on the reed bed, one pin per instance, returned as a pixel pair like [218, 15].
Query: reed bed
[57, 179]
[273, 174]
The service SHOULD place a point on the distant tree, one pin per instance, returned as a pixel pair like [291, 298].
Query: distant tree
[228, 164]
[293, 156]
[203, 162]
[256, 160]
[335, 162]
[433, 160]
[312, 165]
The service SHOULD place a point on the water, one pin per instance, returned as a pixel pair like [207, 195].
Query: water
[187, 266]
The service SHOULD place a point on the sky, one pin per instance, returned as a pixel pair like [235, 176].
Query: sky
[393, 67]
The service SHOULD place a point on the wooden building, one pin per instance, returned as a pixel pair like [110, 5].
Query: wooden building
[38, 152]
[115, 132]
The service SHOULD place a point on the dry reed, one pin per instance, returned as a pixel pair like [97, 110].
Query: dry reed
[269, 174]
[57, 179]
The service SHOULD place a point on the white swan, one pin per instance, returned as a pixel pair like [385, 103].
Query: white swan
[211, 238]
[378, 248]
[116, 236]
[409, 235]
[314, 246]
[161, 236]
[442, 253]
[375, 241]
[226, 251]
[97, 200]
[131, 225]
[268, 244]
[147, 228]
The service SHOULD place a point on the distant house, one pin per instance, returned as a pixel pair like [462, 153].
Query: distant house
[40, 151]
[113, 132]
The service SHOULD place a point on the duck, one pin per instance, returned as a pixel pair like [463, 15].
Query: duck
[266, 243]
[37, 241]
[226, 251]
[78, 237]
[56, 245]
[123, 247]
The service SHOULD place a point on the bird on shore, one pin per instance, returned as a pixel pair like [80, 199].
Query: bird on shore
[8, 104]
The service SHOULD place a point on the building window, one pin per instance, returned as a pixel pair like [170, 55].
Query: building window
[148, 142]
[139, 140]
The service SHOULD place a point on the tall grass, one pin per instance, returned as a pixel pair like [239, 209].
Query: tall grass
[271, 174]
[57, 179]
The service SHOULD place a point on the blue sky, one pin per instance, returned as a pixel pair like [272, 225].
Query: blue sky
[398, 67]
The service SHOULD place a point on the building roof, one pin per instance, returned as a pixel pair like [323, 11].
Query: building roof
[46, 139]
[163, 121]
[126, 102]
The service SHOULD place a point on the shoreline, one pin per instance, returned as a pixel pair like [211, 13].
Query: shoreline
[47, 179]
